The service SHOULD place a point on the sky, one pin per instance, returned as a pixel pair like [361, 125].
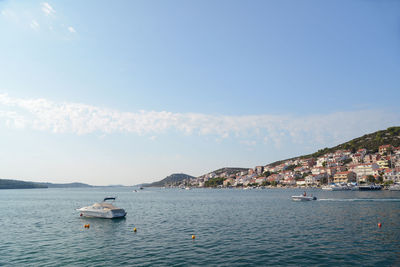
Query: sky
[128, 92]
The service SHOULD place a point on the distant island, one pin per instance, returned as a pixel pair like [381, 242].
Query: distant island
[16, 184]
[67, 185]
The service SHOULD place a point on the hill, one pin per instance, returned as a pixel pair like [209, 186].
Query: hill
[15, 184]
[173, 179]
[371, 142]
[68, 185]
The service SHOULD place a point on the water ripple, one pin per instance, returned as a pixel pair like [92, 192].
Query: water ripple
[232, 228]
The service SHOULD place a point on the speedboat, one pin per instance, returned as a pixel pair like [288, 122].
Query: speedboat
[303, 198]
[103, 210]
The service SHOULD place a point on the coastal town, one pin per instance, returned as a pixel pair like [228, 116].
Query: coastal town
[340, 167]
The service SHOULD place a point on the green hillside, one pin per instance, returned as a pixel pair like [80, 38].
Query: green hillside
[173, 179]
[371, 142]
[68, 185]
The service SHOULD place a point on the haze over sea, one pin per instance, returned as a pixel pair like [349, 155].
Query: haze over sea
[232, 227]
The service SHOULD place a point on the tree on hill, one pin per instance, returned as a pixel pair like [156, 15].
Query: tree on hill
[370, 179]
[267, 173]
[291, 167]
[214, 182]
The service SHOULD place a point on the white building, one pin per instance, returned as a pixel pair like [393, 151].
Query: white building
[365, 169]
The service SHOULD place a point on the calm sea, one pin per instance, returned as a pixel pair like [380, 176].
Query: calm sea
[40, 227]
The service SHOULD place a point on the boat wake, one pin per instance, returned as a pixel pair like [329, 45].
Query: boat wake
[362, 199]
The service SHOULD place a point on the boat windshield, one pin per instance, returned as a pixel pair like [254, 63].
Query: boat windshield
[109, 198]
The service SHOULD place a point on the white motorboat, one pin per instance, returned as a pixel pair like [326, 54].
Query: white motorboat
[327, 187]
[303, 197]
[336, 187]
[353, 186]
[103, 210]
[394, 187]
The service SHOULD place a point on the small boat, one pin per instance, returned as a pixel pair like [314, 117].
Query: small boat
[336, 187]
[103, 210]
[394, 187]
[353, 186]
[303, 197]
[327, 187]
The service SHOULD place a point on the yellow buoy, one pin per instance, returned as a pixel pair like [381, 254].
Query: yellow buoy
[134, 229]
[193, 236]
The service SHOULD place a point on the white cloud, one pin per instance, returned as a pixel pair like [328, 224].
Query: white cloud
[41, 16]
[47, 9]
[71, 29]
[13, 119]
[34, 25]
[76, 118]
[9, 14]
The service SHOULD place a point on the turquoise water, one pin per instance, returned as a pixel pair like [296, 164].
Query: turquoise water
[40, 227]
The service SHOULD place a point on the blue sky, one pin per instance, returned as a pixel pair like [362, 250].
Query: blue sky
[108, 92]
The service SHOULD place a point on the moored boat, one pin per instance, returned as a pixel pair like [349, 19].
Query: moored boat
[336, 187]
[103, 210]
[394, 187]
[370, 187]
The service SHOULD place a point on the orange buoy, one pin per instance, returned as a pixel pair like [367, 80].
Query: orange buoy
[87, 225]
[193, 236]
[379, 225]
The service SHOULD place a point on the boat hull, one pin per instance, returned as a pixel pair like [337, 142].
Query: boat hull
[394, 187]
[106, 215]
[303, 198]
[336, 188]
[369, 188]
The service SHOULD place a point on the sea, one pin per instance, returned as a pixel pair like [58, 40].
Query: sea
[232, 227]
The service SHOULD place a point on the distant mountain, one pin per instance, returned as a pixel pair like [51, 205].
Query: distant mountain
[371, 142]
[68, 185]
[173, 179]
[15, 184]
[142, 185]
